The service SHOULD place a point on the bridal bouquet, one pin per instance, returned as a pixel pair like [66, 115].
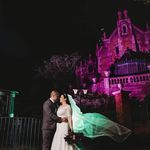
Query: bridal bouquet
[73, 138]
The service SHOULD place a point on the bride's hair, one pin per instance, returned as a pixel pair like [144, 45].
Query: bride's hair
[66, 97]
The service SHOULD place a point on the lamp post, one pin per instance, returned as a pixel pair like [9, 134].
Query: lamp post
[12, 99]
[9, 108]
[75, 91]
[85, 91]
[94, 86]
[80, 94]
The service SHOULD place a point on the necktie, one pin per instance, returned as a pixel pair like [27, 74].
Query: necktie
[55, 105]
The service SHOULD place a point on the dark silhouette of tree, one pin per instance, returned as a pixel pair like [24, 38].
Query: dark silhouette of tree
[59, 69]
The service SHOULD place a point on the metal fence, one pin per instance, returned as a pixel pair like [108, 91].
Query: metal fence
[20, 133]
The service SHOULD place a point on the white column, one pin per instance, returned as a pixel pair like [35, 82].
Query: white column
[106, 82]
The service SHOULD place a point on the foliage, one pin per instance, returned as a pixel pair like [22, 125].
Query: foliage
[59, 68]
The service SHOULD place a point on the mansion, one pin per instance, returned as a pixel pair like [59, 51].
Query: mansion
[123, 59]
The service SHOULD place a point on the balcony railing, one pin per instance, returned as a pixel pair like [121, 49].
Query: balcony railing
[140, 78]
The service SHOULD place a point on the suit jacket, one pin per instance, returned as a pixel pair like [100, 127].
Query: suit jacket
[50, 117]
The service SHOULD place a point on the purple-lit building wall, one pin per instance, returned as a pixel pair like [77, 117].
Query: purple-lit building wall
[122, 58]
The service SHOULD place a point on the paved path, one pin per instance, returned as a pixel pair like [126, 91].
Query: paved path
[103, 143]
[132, 143]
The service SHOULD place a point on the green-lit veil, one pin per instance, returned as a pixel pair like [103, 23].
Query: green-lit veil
[94, 125]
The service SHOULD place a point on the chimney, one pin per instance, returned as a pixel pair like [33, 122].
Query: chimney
[119, 15]
[147, 26]
[125, 13]
[104, 35]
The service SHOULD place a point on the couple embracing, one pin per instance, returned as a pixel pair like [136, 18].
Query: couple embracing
[57, 121]
[61, 115]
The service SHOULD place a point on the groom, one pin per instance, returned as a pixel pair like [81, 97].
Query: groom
[50, 119]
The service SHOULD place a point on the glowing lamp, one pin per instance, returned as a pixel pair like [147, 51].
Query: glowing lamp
[85, 91]
[94, 80]
[75, 91]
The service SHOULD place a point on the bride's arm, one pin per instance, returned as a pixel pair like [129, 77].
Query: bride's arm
[70, 123]
[69, 115]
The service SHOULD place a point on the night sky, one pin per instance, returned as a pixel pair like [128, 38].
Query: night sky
[33, 31]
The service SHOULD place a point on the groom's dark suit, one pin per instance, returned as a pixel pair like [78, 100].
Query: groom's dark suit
[50, 119]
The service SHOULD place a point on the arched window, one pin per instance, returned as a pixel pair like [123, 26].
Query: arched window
[124, 29]
[117, 50]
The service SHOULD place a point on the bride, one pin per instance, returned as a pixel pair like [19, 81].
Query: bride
[91, 125]
[62, 129]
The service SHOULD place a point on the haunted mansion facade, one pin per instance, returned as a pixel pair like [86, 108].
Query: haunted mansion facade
[123, 58]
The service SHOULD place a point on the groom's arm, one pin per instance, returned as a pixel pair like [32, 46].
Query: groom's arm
[49, 112]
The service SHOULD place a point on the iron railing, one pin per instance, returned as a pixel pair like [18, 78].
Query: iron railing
[20, 133]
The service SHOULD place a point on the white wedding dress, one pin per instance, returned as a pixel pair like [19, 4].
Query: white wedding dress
[59, 142]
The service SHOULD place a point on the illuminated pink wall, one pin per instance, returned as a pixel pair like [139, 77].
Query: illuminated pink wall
[124, 37]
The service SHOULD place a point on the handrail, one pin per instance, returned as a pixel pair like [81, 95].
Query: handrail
[20, 133]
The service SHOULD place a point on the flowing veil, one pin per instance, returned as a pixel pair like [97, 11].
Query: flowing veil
[94, 125]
